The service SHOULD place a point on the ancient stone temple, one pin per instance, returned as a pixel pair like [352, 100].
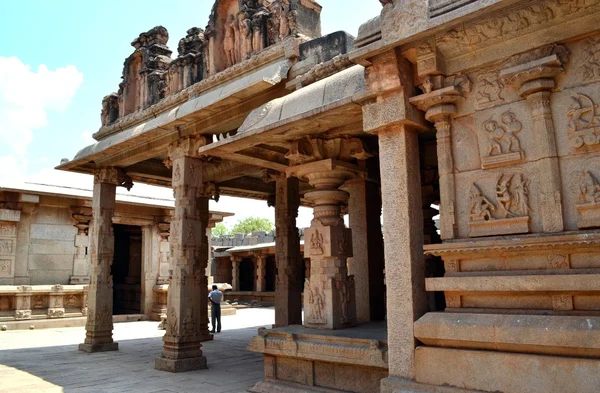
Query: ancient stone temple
[486, 109]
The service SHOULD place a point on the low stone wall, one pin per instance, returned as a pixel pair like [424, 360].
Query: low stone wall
[36, 302]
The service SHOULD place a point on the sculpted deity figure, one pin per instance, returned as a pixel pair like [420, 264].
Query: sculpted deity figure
[315, 299]
[229, 41]
[481, 207]
[521, 195]
[504, 196]
[257, 32]
[590, 189]
[245, 29]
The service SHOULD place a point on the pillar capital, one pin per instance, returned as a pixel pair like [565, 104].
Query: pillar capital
[534, 76]
[113, 176]
[186, 147]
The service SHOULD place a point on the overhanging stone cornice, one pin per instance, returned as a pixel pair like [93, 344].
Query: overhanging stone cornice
[157, 132]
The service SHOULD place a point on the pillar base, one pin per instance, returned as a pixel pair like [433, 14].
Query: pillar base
[180, 365]
[105, 347]
[206, 337]
[399, 385]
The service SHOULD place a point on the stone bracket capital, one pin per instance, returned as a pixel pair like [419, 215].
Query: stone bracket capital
[114, 176]
[534, 76]
[186, 147]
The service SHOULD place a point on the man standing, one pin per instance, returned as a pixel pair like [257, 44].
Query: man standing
[215, 297]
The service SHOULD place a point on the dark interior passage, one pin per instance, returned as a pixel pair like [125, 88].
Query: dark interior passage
[270, 274]
[246, 275]
[127, 269]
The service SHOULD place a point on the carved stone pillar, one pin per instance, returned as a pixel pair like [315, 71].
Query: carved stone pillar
[366, 264]
[288, 288]
[535, 82]
[439, 107]
[102, 247]
[329, 294]
[388, 114]
[235, 273]
[23, 303]
[56, 306]
[187, 305]
[261, 269]
[81, 270]
[161, 288]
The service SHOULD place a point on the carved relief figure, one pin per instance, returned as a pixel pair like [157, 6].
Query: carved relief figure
[591, 56]
[504, 147]
[504, 196]
[245, 28]
[316, 243]
[584, 122]
[6, 247]
[481, 208]
[521, 195]
[589, 190]
[282, 14]
[489, 90]
[317, 303]
[229, 42]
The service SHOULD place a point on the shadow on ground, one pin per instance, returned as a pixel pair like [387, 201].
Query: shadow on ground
[62, 368]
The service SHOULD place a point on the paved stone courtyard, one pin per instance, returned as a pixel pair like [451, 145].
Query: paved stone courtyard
[47, 360]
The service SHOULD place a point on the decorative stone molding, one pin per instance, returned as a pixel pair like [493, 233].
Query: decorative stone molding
[311, 149]
[344, 350]
[37, 302]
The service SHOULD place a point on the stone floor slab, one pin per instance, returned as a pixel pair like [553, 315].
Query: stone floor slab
[47, 360]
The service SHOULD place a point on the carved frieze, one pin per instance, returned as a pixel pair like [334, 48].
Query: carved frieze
[590, 67]
[583, 124]
[503, 146]
[8, 229]
[507, 214]
[588, 203]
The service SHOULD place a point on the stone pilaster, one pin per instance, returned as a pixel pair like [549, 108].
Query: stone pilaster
[388, 114]
[366, 264]
[261, 278]
[102, 247]
[288, 289]
[81, 267]
[187, 305]
[439, 107]
[535, 82]
[329, 294]
[403, 234]
[235, 273]
[23, 303]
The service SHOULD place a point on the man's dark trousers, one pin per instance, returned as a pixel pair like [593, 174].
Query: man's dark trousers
[215, 315]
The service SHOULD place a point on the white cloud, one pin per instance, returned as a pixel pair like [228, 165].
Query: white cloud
[26, 96]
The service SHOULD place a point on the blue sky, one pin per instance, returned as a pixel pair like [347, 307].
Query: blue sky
[58, 58]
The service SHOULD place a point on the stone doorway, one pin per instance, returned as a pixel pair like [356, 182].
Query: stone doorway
[246, 275]
[127, 269]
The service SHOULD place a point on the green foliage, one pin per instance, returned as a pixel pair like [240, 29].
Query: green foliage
[219, 230]
[252, 224]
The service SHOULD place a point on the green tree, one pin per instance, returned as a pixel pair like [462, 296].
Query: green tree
[252, 224]
[219, 230]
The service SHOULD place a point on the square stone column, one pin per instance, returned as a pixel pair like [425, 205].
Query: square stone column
[288, 289]
[102, 247]
[403, 247]
[366, 264]
[187, 304]
[235, 273]
[261, 278]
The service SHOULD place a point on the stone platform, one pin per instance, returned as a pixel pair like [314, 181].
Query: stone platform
[299, 359]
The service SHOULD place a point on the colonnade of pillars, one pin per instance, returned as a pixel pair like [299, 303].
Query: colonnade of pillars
[330, 294]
